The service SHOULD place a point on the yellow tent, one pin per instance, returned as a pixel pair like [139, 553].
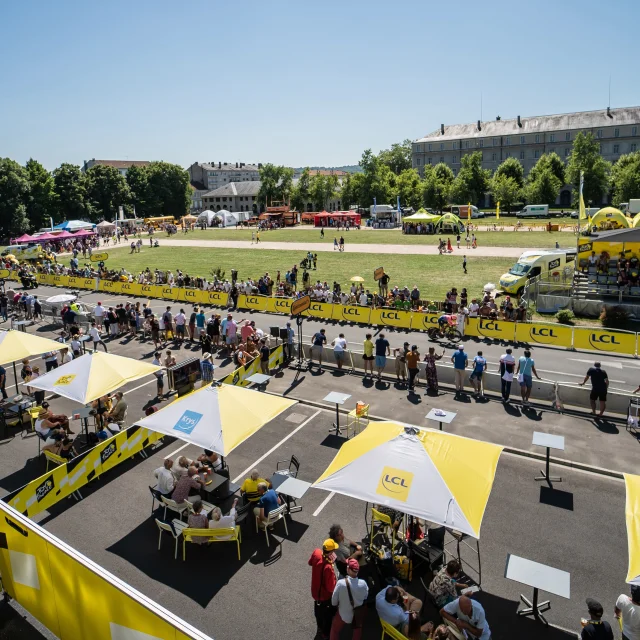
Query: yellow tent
[632, 513]
[636, 221]
[429, 474]
[610, 218]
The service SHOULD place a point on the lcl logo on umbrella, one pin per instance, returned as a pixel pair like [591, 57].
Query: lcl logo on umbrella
[64, 380]
[395, 483]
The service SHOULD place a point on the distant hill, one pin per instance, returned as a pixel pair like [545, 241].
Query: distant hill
[351, 168]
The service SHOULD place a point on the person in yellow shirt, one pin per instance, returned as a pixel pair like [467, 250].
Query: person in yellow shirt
[250, 486]
[367, 356]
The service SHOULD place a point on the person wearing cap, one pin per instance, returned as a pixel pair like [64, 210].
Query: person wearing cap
[595, 628]
[628, 608]
[599, 386]
[460, 361]
[206, 369]
[400, 354]
[413, 358]
[349, 596]
[323, 583]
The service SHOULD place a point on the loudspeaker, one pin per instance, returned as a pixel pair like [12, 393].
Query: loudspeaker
[274, 332]
[283, 334]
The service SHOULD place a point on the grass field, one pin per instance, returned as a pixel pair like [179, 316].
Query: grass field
[433, 275]
[507, 238]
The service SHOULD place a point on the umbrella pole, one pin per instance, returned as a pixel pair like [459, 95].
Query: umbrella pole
[15, 373]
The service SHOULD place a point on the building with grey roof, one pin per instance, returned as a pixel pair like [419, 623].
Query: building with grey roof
[121, 165]
[527, 138]
[218, 174]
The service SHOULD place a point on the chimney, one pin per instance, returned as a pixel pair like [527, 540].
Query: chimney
[442, 129]
[236, 165]
[498, 118]
[609, 112]
[479, 127]
[519, 122]
[219, 165]
[259, 165]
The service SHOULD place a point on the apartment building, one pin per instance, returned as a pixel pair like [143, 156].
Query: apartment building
[121, 165]
[219, 174]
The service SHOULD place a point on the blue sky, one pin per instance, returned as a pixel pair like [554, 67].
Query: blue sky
[295, 83]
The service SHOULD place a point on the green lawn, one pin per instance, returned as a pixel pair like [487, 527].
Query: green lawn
[434, 275]
[507, 238]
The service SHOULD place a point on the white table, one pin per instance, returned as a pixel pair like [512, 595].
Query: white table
[339, 399]
[539, 576]
[293, 488]
[447, 418]
[549, 441]
[259, 379]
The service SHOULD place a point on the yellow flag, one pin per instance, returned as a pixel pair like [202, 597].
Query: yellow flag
[498, 210]
[469, 212]
[583, 212]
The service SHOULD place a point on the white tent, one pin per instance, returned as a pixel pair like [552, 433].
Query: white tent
[105, 224]
[227, 218]
[206, 216]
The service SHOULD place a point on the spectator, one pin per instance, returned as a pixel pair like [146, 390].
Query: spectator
[250, 485]
[38, 394]
[287, 343]
[339, 349]
[264, 357]
[323, 584]
[349, 596]
[3, 382]
[445, 586]
[198, 520]
[413, 358]
[181, 468]
[165, 479]
[206, 369]
[400, 355]
[119, 411]
[393, 605]
[415, 631]
[268, 502]
[431, 371]
[468, 616]
[367, 356]
[229, 329]
[596, 628]
[526, 366]
[460, 361]
[599, 386]
[347, 549]
[628, 608]
[95, 336]
[50, 360]
[159, 376]
[186, 483]
[507, 367]
[210, 459]
[382, 351]
[479, 367]
[317, 344]
[218, 521]
[181, 321]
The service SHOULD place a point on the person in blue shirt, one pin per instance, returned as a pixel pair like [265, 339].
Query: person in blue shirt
[460, 361]
[526, 366]
[318, 341]
[479, 366]
[468, 616]
[268, 502]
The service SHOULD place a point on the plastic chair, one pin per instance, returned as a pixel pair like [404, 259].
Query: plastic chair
[155, 495]
[33, 412]
[175, 528]
[392, 632]
[54, 458]
[230, 534]
[174, 506]
[384, 519]
[356, 417]
[272, 518]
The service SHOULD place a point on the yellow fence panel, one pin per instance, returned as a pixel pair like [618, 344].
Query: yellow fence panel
[319, 310]
[391, 318]
[550, 334]
[257, 303]
[497, 329]
[424, 321]
[279, 305]
[343, 313]
[60, 281]
[216, 298]
[605, 340]
[151, 291]
[109, 286]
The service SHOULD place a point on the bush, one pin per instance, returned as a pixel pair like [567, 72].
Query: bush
[565, 316]
[614, 317]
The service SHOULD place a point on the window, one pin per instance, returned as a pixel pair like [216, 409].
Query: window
[552, 137]
[537, 138]
[482, 156]
[567, 136]
[217, 199]
[508, 154]
[429, 147]
[418, 162]
[466, 144]
[599, 134]
[567, 151]
[481, 143]
[441, 158]
[522, 155]
[442, 146]
[454, 145]
[632, 147]
[536, 153]
[616, 133]
[495, 142]
[601, 148]
[508, 141]
[634, 131]
[494, 157]
[522, 139]
[430, 160]
[455, 159]
[616, 148]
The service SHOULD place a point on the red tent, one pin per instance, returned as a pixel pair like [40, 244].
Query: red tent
[339, 218]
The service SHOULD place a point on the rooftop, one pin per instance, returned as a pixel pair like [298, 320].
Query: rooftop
[537, 124]
[228, 166]
[248, 188]
[120, 164]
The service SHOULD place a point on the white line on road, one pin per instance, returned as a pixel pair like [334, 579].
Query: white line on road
[140, 386]
[173, 453]
[261, 458]
[324, 503]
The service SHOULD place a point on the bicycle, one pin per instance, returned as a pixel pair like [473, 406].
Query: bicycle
[449, 333]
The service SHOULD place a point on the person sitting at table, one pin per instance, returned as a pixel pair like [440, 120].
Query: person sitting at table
[444, 587]
[468, 616]
[346, 548]
[251, 349]
[210, 459]
[268, 502]
[117, 413]
[66, 449]
[50, 433]
[394, 604]
[250, 485]
[396, 516]
[54, 421]
[101, 406]
[181, 468]
[218, 521]
[198, 520]
[165, 479]
[184, 486]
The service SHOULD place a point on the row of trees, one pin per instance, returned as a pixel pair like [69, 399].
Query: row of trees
[30, 195]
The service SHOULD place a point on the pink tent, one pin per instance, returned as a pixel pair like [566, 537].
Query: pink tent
[84, 232]
[63, 235]
[24, 238]
[44, 237]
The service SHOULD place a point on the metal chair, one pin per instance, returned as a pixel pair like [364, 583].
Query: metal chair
[155, 495]
[292, 468]
[356, 417]
[175, 528]
[272, 518]
[172, 505]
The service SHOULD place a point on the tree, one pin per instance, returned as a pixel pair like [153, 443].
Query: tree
[549, 161]
[285, 186]
[168, 190]
[70, 189]
[505, 190]
[398, 158]
[472, 181]
[107, 190]
[543, 188]
[276, 183]
[14, 193]
[585, 156]
[377, 180]
[322, 189]
[625, 178]
[408, 186]
[350, 193]
[512, 168]
[300, 194]
[138, 183]
[437, 185]
[41, 202]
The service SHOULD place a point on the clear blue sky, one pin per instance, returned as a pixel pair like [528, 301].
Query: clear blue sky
[295, 83]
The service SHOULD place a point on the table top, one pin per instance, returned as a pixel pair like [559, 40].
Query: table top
[446, 419]
[84, 412]
[548, 440]
[337, 398]
[277, 479]
[217, 481]
[539, 576]
[258, 378]
[293, 487]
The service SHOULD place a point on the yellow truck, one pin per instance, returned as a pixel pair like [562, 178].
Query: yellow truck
[534, 263]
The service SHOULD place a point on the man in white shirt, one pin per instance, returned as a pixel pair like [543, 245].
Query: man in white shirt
[473, 309]
[95, 336]
[218, 521]
[181, 321]
[98, 314]
[347, 598]
[339, 346]
[344, 298]
[468, 616]
[166, 481]
[507, 367]
[629, 609]
[363, 299]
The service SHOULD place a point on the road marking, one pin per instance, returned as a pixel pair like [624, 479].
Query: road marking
[140, 386]
[324, 503]
[610, 363]
[277, 446]
[173, 453]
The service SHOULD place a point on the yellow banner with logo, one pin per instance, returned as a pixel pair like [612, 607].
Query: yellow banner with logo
[319, 310]
[555, 335]
[279, 305]
[346, 313]
[424, 321]
[43, 278]
[150, 291]
[109, 286]
[257, 303]
[604, 340]
[60, 281]
[391, 318]
[485, 328]
[131, 288]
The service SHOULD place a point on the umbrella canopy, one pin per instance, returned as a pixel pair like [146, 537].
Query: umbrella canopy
[433, 475]
[217, 418]
[93, 375]
[632, 513]
[636, 221]
[74, 225]
[17, 345]
[357, 279]
[84, 232]
[62, 234]
[63, 297]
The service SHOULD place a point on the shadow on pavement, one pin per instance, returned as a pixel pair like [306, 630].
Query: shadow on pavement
[604, 425]
[556, 498]
[33, 468]
[14, 625]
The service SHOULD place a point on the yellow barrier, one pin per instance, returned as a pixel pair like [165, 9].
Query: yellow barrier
[391, 318]
[215, 298]
[604, 340]
[44, 575]
[257, 303]
[319, 310]
[483, 328]
[279, 305]
[151, 291]
[424, 321]
[60, 281]
[550, 334]
[240, 375]
[343, 313]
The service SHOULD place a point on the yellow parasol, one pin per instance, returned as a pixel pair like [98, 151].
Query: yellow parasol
[357, 279]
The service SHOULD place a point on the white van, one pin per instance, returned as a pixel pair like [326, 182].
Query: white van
[534, 211]
[535, 263]
[462, 211]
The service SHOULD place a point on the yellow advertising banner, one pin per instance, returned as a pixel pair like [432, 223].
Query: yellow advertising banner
[74, 281]
[99, 257]
[43, 278]
[150, 291]
[343, 313]
[191, 296]
[319, 310]
[554, 335]
[424, 321]
[169, 293]
[60, 281]
[81, 283]
[484, 328]
[604, 340]
[279, 305]
[107, 285]
[257, 303]
[215, 298]
[391, 318]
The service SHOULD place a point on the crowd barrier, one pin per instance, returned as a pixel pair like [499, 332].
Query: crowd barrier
[72, 596]
[240, 375]
[549, 334]
[43, 492]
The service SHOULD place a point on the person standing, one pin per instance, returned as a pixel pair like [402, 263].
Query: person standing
[349, 596]
[413, 358]
[628, 608]
[323, 584]
[181, 321]
[341, 243]
[460, 361]
[507, 367]
[264, 357]
[431, 371]
[595, 628]
[526, 366]
[458, 239]
[383, 350]
[253, 237]
[367, 356]
[479, 367]
[339, 349]
[335, 243]
[599, 386]
[206, 369]
[287, 343]
[3, 382]
[95, 336]
[318, 341]
[159, 375]
[464, 263]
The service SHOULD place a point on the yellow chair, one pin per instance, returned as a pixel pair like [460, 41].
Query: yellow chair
[53, 457]
[230, 534]
[383, 518]
[357, 418]
[392, 632]
[33, 412]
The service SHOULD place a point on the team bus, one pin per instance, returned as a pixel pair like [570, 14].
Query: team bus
[159, 221]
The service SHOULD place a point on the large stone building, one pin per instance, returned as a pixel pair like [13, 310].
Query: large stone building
[527, 138]
[219, 174]
[121, 165]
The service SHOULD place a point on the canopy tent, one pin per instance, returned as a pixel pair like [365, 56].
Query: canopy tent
[610, 217]
[189, 218]
[636, 221]
[322, 219]
[105, 224]
[429, 474]
[44, 237]
[93, 375]
[62, 235]
[84, 232]
[217, 418]
[422, 217]
[61, 297]
[74, 225]
[632, 514]
[23, 238]
[206, 217]
[227, 218]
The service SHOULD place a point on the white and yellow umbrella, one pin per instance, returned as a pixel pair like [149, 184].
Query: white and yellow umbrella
[632, 513]
[92, 376]
[217, 418]
[429, 474]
